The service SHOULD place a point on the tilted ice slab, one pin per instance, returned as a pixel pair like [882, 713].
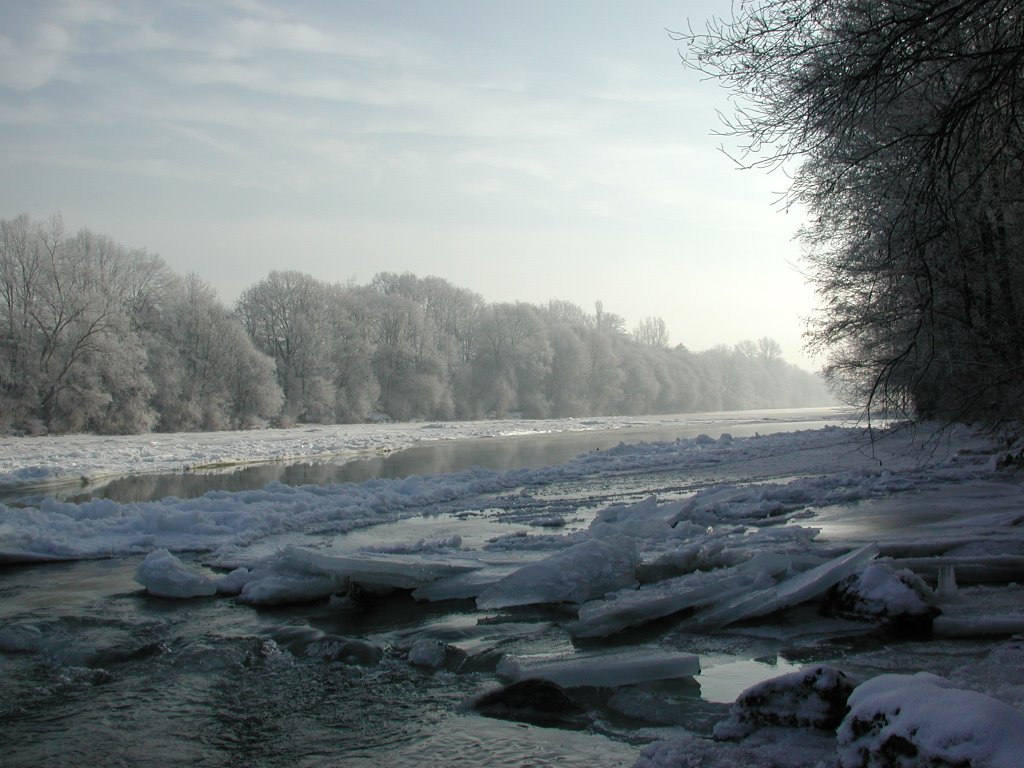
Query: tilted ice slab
[793, 591]
[574, 575]
[464, 585]
[631, 608]
[295, 574]
[606, 669]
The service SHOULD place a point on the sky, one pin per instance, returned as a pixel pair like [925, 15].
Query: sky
[536, 150]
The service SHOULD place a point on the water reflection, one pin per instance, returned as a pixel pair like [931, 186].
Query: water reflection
[443, 456]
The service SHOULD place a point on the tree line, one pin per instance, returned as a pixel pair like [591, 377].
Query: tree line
[98, 337]
[902, 124]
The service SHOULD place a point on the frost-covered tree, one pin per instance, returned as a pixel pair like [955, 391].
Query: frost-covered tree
[211, 375]
[287, 315]
[69, 360]
[653, 331]
[901, 124]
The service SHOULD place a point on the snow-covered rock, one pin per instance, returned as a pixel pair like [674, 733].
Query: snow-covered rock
[164, 575]
[877, 591]
[814, 697]
[922, 720]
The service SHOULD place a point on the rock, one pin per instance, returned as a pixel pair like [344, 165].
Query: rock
[876, 592]
[813, 697]
[538, 702]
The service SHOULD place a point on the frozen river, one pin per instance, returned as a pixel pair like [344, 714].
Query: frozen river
[93, 670]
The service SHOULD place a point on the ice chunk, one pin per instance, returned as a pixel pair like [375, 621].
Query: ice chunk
[436, 654]
[645, 519]
[630, 608]
[374, 571]
[233, 583]
[464, 585]
[300, 575]
[984, 569]
[282, 588]
[923, 715]
[793, 591]
[164, 575]
[582, 572]
[606, 669]
[947, 588]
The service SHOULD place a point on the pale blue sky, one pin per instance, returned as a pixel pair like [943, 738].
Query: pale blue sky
[528, 150]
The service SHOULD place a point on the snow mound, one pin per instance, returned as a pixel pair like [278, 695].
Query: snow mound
[913, 720]
[164, 575]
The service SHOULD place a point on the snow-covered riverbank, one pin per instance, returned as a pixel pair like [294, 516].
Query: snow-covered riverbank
[49, 460]
[643, 561]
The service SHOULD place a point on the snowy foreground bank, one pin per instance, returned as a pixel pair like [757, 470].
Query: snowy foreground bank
[891, 568]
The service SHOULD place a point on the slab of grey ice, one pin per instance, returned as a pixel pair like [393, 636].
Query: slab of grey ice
[630, 608]
[464, 585]
[605, 669]
[295, 574]
[574, 575]
[793, 591]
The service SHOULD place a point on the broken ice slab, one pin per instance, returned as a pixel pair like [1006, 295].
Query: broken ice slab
[605, 669]
[295, 575]
[980, 569]
[631, 608]
[464, 585]
[374, 571]
[574, 575]
[792, 591]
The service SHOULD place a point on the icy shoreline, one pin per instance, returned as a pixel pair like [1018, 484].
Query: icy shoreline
[38, 462]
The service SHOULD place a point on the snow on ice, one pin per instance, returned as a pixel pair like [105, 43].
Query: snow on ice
[775, 522]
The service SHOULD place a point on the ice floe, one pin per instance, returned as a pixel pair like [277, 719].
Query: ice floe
[602, 669]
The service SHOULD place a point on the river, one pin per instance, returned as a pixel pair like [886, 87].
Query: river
[93, 671]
